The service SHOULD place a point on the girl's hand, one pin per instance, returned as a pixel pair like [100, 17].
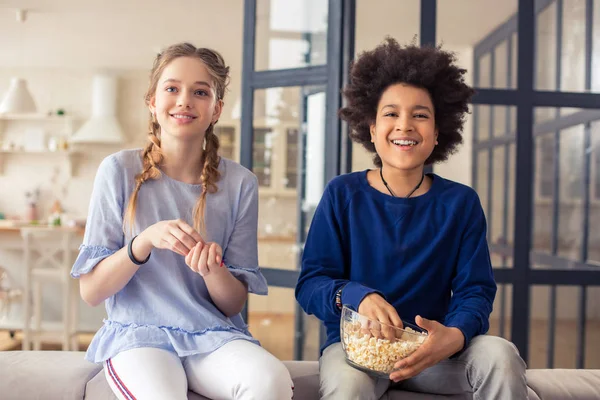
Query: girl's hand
[175, 235]
[441, 343]
[205, 258]
[376, 308]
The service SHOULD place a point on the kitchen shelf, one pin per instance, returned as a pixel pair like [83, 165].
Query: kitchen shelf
[69, 156]
[36, 117]
[15, 136]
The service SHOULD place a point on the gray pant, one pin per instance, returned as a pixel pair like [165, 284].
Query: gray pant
[490, 368]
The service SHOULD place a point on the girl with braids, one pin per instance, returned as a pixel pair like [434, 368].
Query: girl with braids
[171, 248]
[397, 244]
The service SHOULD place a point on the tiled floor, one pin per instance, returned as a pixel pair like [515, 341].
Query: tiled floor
[276, 334]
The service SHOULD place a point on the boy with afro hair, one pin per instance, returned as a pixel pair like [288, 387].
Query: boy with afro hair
[394, 243]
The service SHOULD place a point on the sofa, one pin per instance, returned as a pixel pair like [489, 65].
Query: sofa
[60, 375]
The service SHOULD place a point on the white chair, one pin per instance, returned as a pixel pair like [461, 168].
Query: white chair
[47, 256]
[9, 294]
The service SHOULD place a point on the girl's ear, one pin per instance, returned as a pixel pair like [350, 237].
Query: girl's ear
[436, 136]
[372, 130]
[217, 111]
[152, 105]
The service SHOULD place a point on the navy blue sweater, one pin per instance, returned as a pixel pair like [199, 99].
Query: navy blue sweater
[426, 255]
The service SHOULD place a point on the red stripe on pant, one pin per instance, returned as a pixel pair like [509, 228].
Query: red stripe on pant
[118, 381]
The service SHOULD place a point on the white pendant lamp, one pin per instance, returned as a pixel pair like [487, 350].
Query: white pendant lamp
[17, 100]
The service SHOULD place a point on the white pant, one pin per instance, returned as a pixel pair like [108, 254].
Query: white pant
[238, 370]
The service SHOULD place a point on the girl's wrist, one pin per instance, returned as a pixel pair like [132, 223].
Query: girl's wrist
[218, 273]
[141, 247]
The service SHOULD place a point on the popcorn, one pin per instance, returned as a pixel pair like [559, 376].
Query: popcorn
[378, 354]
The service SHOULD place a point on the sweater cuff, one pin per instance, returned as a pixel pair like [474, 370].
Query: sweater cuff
[467, 323]
[353, 293]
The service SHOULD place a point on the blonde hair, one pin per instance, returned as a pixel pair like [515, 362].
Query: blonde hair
[152, 155]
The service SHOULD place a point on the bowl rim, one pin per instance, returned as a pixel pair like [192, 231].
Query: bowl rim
[418, 330]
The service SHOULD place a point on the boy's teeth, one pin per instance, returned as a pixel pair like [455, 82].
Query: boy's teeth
[404, 142]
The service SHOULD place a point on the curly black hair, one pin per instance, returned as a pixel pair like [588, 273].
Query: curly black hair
[430, 68]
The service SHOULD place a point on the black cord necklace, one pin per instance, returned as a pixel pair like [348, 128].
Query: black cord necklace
[390, 190]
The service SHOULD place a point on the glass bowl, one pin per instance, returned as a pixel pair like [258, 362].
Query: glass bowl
[374, 347]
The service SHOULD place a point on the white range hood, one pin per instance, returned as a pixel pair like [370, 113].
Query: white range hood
[103, 126]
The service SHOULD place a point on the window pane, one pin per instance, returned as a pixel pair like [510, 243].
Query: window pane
[271, 320]
[572, 56]
[594, 218]
[484, 65]
[482, 115]
[291, 165]
[496, 33]
[501, 65]
[500, 122]
[502, 310]
[226, 135]
[512, 180]
[280, 115]
[566, 142]
[289, 133]
[312, 343]
[513, 71]
[545, 42]
[543, 192]
[496, 220]
[290, 34]
[482, 183]
[561, 60]
[503, 120]
[262, 155]
[501, 81]
[571, 187]
[565, 328]
[596, 47]
[496, 193]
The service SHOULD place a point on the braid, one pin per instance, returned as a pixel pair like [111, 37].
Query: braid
[152, 157]
[209, 177]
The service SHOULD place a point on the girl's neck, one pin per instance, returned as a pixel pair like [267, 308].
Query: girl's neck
[403, 182]
[182, 161]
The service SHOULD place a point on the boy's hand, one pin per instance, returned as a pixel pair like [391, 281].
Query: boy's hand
[204, 258]
[441, 343]
[376, 308]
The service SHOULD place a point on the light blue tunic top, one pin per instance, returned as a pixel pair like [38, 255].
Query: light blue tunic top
[166, 305]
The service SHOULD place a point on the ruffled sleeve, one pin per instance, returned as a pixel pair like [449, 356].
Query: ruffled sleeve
[241, 253]
[104, 228]
[252, 277]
